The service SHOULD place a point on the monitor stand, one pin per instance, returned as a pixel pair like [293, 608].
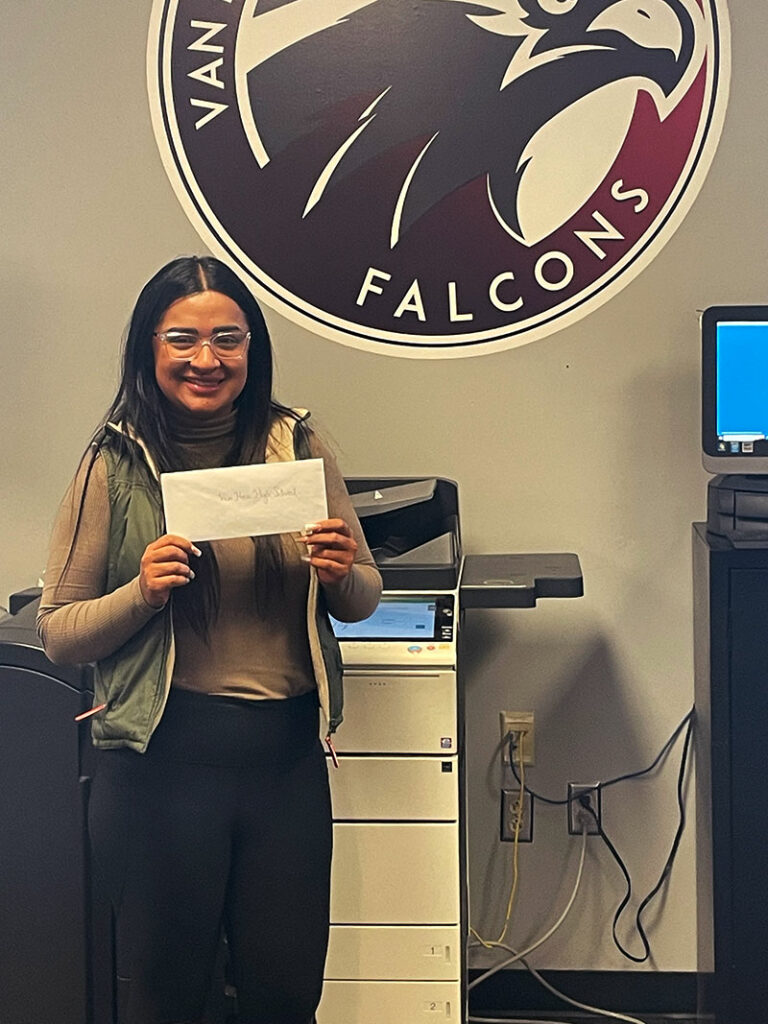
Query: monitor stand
[737, 509]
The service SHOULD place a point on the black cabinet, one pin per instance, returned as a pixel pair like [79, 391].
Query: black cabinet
[731, 653]
[56, 962]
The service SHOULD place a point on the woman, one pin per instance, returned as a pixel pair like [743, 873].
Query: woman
[210, 804]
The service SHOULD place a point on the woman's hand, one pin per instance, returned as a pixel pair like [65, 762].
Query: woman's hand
[165, 565]
[331, 549]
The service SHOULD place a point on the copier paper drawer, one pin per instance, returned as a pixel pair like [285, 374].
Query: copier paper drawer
[398, 713]
[390, 1002]
[395, 788]
[394, 953]
[395, 873]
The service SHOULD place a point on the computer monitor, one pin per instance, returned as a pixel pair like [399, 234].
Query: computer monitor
[734, 389]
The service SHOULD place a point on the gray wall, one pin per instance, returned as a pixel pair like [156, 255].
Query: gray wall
[585, 441]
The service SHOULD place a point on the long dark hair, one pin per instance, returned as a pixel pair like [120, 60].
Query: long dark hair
[141, 406]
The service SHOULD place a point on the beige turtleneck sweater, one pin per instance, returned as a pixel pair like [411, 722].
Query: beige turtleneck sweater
[248, 654]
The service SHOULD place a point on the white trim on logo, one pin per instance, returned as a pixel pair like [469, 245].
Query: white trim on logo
[714, 35]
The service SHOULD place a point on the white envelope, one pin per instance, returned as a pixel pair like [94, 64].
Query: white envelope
[244, 501]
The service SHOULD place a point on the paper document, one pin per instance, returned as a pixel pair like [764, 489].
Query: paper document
[244, 501]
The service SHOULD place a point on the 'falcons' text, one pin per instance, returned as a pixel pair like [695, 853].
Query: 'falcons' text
[553, 271]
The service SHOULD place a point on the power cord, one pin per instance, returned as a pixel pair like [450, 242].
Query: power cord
[520, 957]
[547, 935]
[686, 723]
[667, 866]
[534, 945]
[596, 1010]
[610, 782]
[581, 1006]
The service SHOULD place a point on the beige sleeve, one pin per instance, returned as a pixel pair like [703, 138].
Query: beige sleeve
[77, 621]
[357, 596]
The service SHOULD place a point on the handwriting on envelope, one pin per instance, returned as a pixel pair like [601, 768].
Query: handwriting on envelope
[244, 501]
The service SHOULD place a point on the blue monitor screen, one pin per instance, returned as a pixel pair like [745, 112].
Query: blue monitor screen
[734, 389]
[742, 382]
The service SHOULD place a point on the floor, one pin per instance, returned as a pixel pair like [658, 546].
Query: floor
[583, 1018]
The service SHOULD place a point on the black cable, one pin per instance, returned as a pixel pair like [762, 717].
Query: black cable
[584, 801]
[686, 720]
[526, 787]
[627, 897]
[601, 785]
[681, 825]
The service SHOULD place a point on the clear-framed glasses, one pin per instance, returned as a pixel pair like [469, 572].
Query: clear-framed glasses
[225, 344]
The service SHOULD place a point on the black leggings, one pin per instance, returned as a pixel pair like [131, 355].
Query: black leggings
[225, 822]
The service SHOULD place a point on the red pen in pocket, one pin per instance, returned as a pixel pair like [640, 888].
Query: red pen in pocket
[91, 711]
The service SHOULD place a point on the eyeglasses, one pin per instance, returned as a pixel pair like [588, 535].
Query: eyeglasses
[187, 344]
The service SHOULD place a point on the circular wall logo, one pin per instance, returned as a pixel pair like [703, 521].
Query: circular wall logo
[437, 177]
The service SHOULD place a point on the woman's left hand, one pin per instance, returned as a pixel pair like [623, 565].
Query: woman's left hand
[331, 549]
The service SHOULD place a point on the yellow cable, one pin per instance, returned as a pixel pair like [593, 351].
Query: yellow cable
[516, 840]
[519, 809]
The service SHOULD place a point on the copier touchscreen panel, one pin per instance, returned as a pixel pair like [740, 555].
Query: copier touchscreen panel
[402, 619]
[406, 628]
[419, 617]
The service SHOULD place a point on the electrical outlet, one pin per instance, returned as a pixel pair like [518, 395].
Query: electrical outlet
[520, 722]
[510, 805]
[577, 813]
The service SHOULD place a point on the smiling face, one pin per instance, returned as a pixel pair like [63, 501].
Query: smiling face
[204, 385]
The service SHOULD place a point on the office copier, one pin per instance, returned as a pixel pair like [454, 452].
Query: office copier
[398, 896]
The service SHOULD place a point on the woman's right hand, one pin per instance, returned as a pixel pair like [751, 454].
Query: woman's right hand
[165, 565]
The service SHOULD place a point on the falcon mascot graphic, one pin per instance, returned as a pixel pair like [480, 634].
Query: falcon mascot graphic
[408, 101]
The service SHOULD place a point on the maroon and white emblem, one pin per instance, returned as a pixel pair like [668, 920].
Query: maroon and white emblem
[437, 177]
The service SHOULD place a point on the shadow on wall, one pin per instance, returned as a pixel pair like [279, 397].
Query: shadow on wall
[586, 731]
